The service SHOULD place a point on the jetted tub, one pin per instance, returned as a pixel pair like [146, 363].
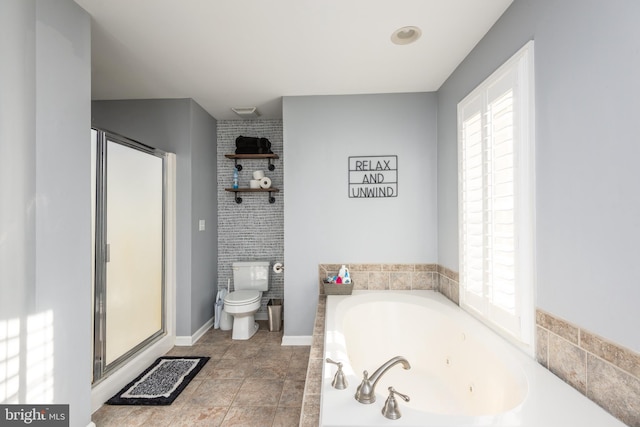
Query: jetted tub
[462, 373]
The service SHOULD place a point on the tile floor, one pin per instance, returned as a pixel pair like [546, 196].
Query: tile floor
[253, 383]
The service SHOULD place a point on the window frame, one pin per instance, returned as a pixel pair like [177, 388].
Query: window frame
[517, 73]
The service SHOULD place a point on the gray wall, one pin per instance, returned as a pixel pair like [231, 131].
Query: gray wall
[204, 245]
[587, 63]
[254, 229]
[179, 126]
[324, 225]
[44, 182]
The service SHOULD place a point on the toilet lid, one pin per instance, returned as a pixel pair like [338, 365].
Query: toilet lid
[242, 297]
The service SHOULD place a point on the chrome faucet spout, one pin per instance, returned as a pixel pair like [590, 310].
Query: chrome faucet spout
[366, 391]
[388, 365]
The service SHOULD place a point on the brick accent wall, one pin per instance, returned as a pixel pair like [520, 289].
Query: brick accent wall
[253, 229]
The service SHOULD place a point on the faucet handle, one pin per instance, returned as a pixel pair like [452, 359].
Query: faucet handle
[391, 409]
[339, 381]
[364, 392]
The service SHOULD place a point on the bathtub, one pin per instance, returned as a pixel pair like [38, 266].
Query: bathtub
[462, 373]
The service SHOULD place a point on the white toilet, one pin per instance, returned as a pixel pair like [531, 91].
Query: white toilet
[250, 279]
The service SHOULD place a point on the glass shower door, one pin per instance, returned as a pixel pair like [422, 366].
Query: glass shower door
[129, 271]
[134, 239]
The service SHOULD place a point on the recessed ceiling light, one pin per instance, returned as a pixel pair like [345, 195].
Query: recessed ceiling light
[406, 35]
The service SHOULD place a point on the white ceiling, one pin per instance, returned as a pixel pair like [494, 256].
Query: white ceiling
[250, 53]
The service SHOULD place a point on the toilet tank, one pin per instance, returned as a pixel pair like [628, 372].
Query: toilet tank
[251, 275]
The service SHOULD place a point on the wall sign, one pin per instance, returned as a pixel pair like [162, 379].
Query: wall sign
[373, 176]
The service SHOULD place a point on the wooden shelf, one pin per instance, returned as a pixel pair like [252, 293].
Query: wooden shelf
[253, 190]
[236, 157]
[271, 167]
[252, 156]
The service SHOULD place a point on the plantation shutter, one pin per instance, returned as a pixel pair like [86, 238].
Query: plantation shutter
[495, 217]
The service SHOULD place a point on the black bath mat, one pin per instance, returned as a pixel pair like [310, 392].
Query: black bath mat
[161, 383]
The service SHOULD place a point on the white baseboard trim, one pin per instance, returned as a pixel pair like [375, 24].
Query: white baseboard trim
[183, 341]
[186, 341]
[297, 340]
[104, 390]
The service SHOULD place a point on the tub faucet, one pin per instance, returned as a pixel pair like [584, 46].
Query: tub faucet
[366, 391]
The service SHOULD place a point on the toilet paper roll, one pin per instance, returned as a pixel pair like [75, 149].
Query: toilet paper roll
[265, 182]
[278, 267]
[254, 183]
[258, 175]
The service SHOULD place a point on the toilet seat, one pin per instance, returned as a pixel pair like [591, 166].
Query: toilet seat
[242, 297]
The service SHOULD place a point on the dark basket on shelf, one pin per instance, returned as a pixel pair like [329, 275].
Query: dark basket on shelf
[337, 289]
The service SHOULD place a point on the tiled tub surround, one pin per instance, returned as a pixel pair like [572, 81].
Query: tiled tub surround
[381, 277]
[462, 373]
[608, 374]
[310, 412]
[367, 277]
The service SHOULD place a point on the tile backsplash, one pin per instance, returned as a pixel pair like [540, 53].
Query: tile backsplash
[396, 277]
[605, 372]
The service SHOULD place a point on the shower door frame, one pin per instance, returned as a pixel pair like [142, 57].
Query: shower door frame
[102, 370]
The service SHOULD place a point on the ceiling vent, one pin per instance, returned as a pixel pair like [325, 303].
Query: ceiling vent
[246, 112]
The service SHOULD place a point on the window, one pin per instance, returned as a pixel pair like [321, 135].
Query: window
[496, 195]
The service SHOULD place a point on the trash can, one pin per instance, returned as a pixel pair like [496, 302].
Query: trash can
[226, 321]
[274, 308]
